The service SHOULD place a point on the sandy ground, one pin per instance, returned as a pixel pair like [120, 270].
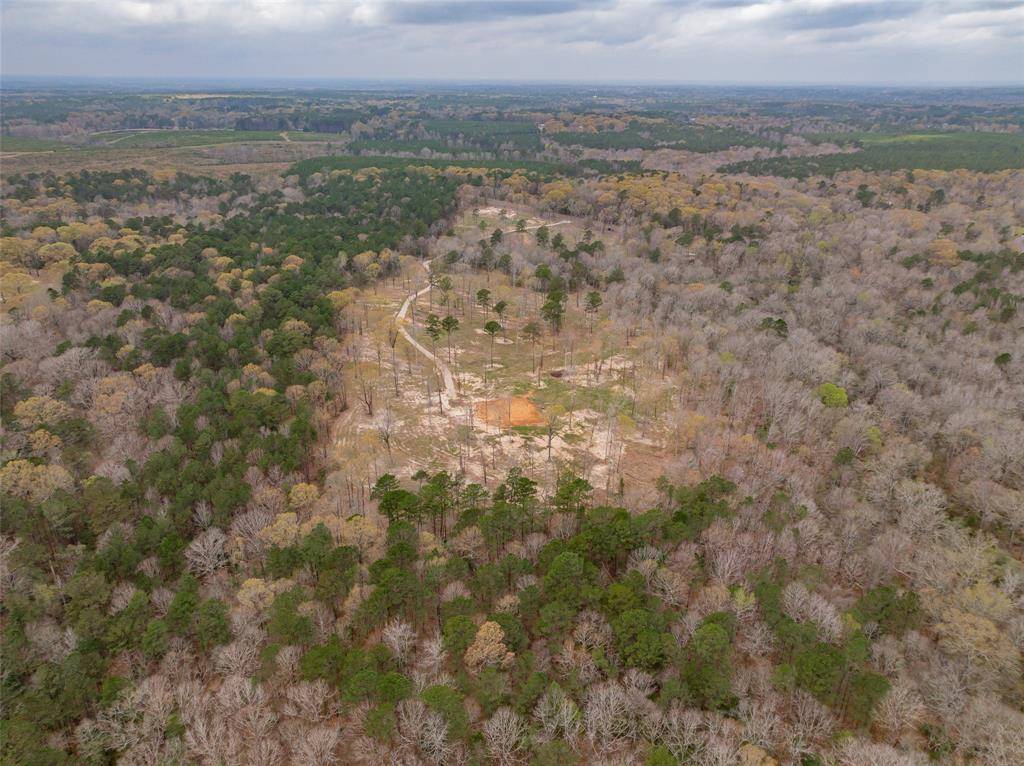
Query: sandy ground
[492, 416]
[446, 373]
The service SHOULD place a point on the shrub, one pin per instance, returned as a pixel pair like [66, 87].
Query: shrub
[832, 395]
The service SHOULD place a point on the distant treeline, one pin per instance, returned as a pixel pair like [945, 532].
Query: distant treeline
[985, 152]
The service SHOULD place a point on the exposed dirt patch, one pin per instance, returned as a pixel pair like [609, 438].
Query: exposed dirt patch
[509, 411]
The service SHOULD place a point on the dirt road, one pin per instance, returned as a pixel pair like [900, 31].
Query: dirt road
[446, 373]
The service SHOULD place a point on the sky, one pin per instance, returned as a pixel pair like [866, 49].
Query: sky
[896, 42]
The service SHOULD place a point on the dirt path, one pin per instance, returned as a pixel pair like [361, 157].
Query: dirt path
[514, 230]
[446, 373]
[128, 133]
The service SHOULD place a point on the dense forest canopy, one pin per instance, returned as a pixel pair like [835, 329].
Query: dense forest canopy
[544, 426]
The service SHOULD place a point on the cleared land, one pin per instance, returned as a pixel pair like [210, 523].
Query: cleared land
[510, 411]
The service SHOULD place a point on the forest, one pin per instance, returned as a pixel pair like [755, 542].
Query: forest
[497, 426]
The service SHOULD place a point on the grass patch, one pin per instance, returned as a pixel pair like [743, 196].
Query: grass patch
[296, 135]
[530, 432]
[597, 398]
[154, 139]
[19, 144]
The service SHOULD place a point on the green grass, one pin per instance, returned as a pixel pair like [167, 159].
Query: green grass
[983, 152]
[531, 431]
[152, 139]
[598, 398]
[298, 135]
[19, 144]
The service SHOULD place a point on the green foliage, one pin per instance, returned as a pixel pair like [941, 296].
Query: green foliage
[989, 287]
[171, 138]
[225, 428]
[640, 638]
[515, 634]
[359, 674]
[286, 625]
[553, 310]
[212, 626]
[606, 537]
[819, 669]
[565, 578]
[156, 639]
[393, 687]
[694, 508]
[380, 722]
[458, 633]
[557, 752]
[866, 691]
[693, 138]
[940, 746]
[237, 306]
[556, 618]
[832, 396]
[491, 690]
[572, 494]
[449, 703]
[660, 756]
[707, 666]
[104, 504]
[834, 673]
[985, 152]
[892, 610]
[183, 605]
[327, 661]
[778, 326]
[126, 629]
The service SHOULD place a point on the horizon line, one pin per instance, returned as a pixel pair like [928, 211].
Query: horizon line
[413, 80]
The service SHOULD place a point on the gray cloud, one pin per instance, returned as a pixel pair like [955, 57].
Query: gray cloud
[623, 40]
[474, 11]
[847, 15]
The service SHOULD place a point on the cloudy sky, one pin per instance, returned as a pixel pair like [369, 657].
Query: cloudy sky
[749, 41]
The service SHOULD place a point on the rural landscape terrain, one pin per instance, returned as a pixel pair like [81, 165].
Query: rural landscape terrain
[511, 425]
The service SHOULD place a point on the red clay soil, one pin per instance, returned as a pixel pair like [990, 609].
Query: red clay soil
[509, 411]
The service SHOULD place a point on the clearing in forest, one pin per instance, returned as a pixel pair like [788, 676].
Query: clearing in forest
[509, 411]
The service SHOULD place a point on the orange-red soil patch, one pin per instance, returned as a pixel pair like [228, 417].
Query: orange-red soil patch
[509, 411]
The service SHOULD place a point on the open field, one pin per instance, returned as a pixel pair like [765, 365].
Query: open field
[19, 144]
[175, 138]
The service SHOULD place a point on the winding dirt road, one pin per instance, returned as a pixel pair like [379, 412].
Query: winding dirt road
[446, 373]
[400, 321]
